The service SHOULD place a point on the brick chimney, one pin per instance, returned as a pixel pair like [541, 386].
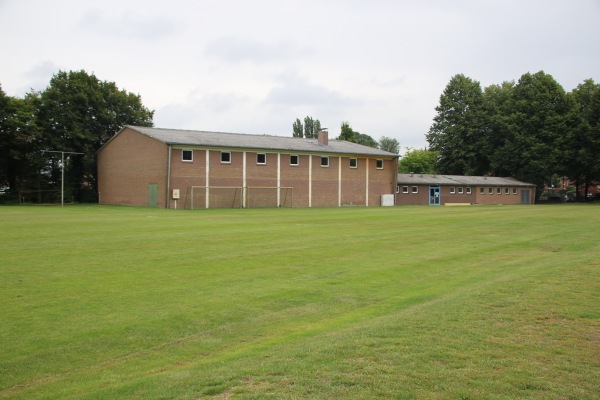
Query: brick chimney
[323, 137]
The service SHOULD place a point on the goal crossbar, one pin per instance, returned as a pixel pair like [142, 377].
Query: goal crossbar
[238, 196]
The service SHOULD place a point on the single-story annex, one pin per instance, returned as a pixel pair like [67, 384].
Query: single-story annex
[197, 169]
[429, 189]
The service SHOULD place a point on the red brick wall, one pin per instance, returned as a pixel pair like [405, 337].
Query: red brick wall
[325, 182]
[503, 198]
[381, 181]
[446, 197]
[131, 161]
[354, 182]
[413, 199]
[296, 177]
[127, 165]
[185, 174]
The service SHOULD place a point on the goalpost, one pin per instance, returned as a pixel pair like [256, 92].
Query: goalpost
[198, 197]
[213, 197]
[269, 196]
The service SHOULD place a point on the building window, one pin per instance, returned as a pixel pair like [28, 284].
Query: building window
[187, 155]
[506, 190]
[405, 189]
[261, 158]
[481, 190]
[468, 190]
[460, 190]
[415, 189]
[514, 190]
[226, 157]
[491, 190]
[379, 164]
[353, 163]
[397, 188]
[452, 190]
[293, 159]
[499, 190]
[325, 161]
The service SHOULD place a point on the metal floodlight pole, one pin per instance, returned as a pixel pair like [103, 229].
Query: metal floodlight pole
[62, 172]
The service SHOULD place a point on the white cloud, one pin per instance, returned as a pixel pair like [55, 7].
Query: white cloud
[235, 50]
[256, 66]
[293, 90]
[128, 25]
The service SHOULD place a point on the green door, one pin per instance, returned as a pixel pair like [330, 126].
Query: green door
[153, 195]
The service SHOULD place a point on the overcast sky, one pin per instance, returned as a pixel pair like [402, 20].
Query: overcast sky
[256, 66]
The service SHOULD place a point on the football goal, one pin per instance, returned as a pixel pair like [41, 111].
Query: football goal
[198, 197]
[272, 196]
[213, 197]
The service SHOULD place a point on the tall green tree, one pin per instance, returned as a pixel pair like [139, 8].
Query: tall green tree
[498, 109]
[457, 132]
[297, 128]
[541, 116]
[580, 148]
[19, 143]
[389, 144]
[418, 161]
[350, 135]
[311, 127]
[79, 113]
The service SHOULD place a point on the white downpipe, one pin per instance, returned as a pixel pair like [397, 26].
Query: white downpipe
[244, 179]
[310, 180]
[340, 181]
[367, 185]
[278, 180]
[207, 183]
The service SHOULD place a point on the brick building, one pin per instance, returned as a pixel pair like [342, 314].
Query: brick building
[427, 189]
[196, 169]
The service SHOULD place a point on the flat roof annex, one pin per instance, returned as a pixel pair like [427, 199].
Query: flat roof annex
[255, 142]
[431, 179]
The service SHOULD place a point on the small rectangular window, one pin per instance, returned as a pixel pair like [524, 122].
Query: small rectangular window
[460, 190]
[415, 189]
[468, 190]
[187, 155]
[353, 163]
[491, 190]
[379, 164]
[404, 189]
[514, 190]
[325, 161]
[226, 157]
[506, 190]
[499, 190]
[481, 190]
[397, 188]
[293, 159]
[452, 190]
[261, 158]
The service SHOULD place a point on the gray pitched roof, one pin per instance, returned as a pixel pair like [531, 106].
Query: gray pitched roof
[429, 179]
[256, 142]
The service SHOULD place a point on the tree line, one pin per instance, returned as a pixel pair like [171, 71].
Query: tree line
[530, 130]
[311, 128]
[76, 113]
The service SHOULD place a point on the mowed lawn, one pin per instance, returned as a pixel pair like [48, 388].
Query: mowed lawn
[496, 302]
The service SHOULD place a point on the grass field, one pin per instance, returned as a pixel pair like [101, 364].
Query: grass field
[102, 302]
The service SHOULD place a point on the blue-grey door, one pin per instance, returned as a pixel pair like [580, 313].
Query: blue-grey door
[525, 196]
[434, 195]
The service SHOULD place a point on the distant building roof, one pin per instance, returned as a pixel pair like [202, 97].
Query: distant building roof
[256, 142]
[432, 179]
